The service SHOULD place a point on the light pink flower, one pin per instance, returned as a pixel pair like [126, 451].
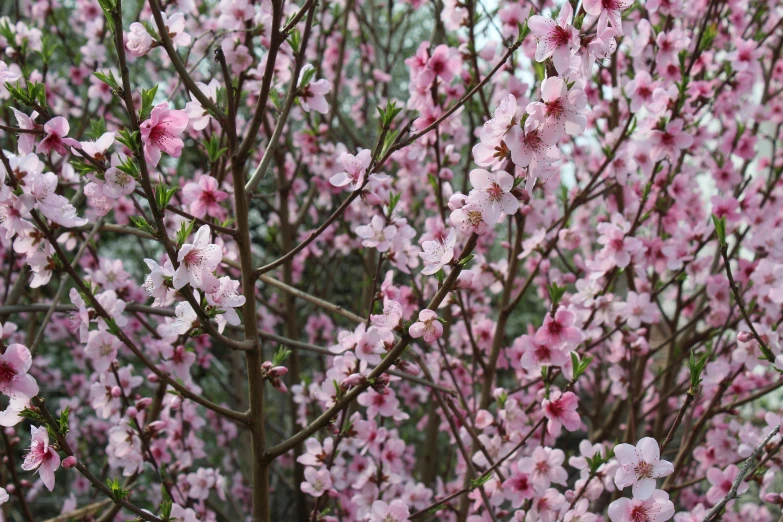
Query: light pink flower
[545, 466]
[561, 111]
[657, 508]
[118, 183]
[313, 95]
[56, 131]
[199, 117]
[492, 194]
[640, 466]
[138, 42]
[638, 310]
[437, 253]
[395, 511]
[101, 349]
[161, 133]
[97, 149]
[42, 457]
[608, 9]
[669, 142]
[556, 39]
[15, 382]
[427, 326]
[175, 27]
[197, 262]
[355, 169]
[377, 234]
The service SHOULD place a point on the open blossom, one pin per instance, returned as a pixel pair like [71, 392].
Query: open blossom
[722, 481]
[42, 457]
[545, 466]
[157, 282]
[610, 10]
[561, 111]
[175, 27]
[560, 409]
[97, 149]
[226, 298]
[355, 169]
[313, 94]
[559, 329]
[558, 39]
[536, 355]
[118, 182]
[391, 316]
[197, 262]
[640, 466]
[669, 142]
[437, 254]
[528, 149]
[469, 220]
[138, 42]
[56, 139]
[618, 247]
[185, 319]
[656, 508]
[199, 117]
[15, 382]
[394, 511]
[317, 482]
[204, 197]
[492, 194]
[638, 310]
[101, 349]
[427, 326]
[161, 133]
[377, 234]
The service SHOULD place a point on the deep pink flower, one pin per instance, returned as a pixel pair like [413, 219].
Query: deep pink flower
[559, 329]
[56, 131]
[427, 326]
[558, 39]
[15, 382]
[204, 197]
[560, 409]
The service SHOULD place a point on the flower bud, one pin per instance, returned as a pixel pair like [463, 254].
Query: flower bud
[279, 385]
[278, 371]
[131, 411]
[151, 377]
[744, 337]
[352, 380]
[116, 391]
[407, 367]
[69, 462]
[176, 402]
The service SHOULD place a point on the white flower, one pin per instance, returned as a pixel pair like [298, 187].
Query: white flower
[437, 254]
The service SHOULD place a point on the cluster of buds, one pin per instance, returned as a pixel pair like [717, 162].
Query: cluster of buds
[273, 373]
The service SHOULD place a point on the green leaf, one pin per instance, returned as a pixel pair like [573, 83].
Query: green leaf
[62, 422]
[147, 100]
[280, 356]
[720, 229]
[141, 223]
[556, 294]
[184, 232]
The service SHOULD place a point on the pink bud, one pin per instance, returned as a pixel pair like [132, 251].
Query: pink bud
[116, 391]
[278, 371]
[279, 385]
[69, 462]
[10, 489]
[744, 337]
[143, 403]
[176, 402]
[407, 367]
[266, 365]
[132, 411]
[352, 380]
[446, 174]
[152, 377]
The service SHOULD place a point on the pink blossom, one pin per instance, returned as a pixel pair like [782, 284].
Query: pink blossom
[561, 111]
[656, 508]
[118, 182]
[15, 382]
[556, 39]
[545, 466]
[427, 326]
[313, 94]
[669, 142]
[377, 234]
[560, 409]
[204, 197]
[197, 262]
[161, 133]
[438, 253]
[536, 355]
[559, 329]
[640, 466]
[608, 9]
[101, 349]
[42, 457]
[638, 310]
[394, 511]
[138, 41]
[198, 116]
[355, 170]
[721, 482]
[492, 194]
[56, 131]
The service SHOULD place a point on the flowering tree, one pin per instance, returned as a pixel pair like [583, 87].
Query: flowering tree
[388, 261]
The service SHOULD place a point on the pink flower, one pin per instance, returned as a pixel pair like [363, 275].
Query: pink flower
[559, 329]
[469, 220]
[101, 349]
[427, 326]
[118, 182]
[355, 169]
[197, 262]
[538, 354]
[638, 310]
[618, 247]
[312, 94]
[26, 139]
[492, 194]
[390, 318]
[56, 131]
[175, 27]
[69, 462]
[610, 9]
[545, 467]
[226, 297]
[97, 149]
[668, 143]
[377, 234]
[198, 116]
[317, 482]
[657, 508]
[644, 92]
[438, 253]
[139, 42]
[640, 466]
[15, 382]
[556, 39]
[42, 457]
[517, 488]
[721, 482]
[528, 148]
[579, 513]
[204, 197]
[395, 511]
[383, 404]
[561, 111]
[161, 133]
[560, 409]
